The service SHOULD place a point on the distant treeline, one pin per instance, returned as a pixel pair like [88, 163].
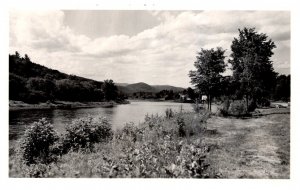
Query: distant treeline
[184, 95]
[33, 83]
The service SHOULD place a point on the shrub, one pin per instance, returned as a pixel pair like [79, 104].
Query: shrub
[130, 132]
[147, 117]
[85, 132]
[169, 113]
[197, 107]
[224, 108]
[36, 170]
[153, 121]
[37, 143]
[264, 102]
[181, 126]
[238, 108]
[252, 106]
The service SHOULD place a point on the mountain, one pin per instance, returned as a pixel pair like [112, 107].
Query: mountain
[144, 87]
[168, 87]
[140, 87]
[122, 84]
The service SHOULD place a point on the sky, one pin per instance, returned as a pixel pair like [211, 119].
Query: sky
[156, 47]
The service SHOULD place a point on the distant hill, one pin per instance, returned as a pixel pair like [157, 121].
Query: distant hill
[122, 84]
[168, 87]
[140, 87]
[144, 87]
[32, 83]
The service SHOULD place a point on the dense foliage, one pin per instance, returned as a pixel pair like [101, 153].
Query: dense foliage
[252, 68]
[253, 82]
[155, 148]
[33, 83]
[37, 143]
[282, 89]
[85, 132]
[207, 76]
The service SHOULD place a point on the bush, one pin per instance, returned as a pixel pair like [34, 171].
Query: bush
[153, 121]
[130, 132]
[264, 102]
[238, 108]
[224, 108]
[85, 132]
[252, 106]
[37, 143]
[169, 113]
[181, 126]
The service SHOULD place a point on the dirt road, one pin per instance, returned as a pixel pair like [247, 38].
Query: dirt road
[250, 148]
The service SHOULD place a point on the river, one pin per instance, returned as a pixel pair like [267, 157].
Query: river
[117, 115]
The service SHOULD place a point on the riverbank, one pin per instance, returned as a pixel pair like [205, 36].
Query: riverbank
[19, 105]
[160, 147]
[179, 146]
[159, 100]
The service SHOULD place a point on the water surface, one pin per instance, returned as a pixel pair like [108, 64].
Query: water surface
[118, 115]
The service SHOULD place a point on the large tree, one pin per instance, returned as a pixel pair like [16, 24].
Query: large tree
[207, 76]
[251, 64]
[110, 90]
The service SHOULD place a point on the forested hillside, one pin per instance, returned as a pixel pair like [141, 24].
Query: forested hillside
[33, 83]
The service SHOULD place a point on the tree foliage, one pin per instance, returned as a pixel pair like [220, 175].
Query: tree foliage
[282, 90]
[207, 76]
[33, 83]
[252, 68]
[110, 90]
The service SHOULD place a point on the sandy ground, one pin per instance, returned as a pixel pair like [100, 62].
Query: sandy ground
[250, 148]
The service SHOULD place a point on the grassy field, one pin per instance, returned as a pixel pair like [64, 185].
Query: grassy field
[250, 148]
[182, 146]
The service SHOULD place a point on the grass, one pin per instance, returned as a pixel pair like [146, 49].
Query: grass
[250, 148]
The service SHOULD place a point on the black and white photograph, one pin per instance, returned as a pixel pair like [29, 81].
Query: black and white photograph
[149, 93]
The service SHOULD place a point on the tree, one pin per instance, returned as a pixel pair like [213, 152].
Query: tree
[191, 93]
[110, 90]
[27, 59]
[251, 64]
[282, 90]
[209, 66]
[16, 87]
[17, 54]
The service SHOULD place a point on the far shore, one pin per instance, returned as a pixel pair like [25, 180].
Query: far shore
[19, 105]
[157, 100]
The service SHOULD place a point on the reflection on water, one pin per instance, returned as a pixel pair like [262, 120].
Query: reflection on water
[118, 115]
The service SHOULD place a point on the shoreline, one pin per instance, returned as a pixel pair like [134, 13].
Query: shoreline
[157, 100]
[19, 105]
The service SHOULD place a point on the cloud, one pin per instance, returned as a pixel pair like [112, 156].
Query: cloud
[159, 55]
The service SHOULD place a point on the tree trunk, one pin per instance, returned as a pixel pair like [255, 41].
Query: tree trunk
[208, 102]
[247, 102]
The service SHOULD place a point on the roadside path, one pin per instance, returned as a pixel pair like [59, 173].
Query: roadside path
[250, 148]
